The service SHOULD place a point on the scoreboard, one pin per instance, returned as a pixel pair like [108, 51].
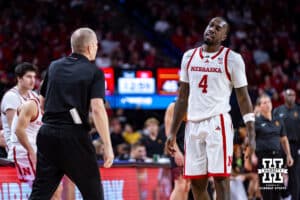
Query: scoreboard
[141, 88]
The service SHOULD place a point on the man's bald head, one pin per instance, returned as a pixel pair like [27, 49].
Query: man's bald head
[81, 39]
[290, 97]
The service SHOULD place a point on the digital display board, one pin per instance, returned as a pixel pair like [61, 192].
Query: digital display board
[136, 82]
[167, 80]
[141, 88]
[109, 81]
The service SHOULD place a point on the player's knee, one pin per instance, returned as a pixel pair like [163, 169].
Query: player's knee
[200, 184]
[182, 186]
[221, 179]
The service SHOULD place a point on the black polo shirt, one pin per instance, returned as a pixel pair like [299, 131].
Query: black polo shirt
[268, 133]
[71, 82]
[291, 120]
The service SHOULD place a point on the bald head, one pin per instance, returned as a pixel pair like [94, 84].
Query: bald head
[290, 97]
[82, 39]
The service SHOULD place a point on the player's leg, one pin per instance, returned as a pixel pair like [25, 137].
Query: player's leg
[58, 192]
[46, 181]
[199, 188]
[181, 186]
[68, 192]
[219, 147]
[222, 188]
[195, 158]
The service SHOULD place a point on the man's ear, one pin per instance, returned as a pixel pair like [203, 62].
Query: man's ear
[224, 37]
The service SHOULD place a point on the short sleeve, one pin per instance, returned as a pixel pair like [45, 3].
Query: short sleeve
[98, 85]
[237, 68]
[11, 100]
[282, 129]
[184, 65]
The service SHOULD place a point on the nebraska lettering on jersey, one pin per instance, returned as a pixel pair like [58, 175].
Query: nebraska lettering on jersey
[206, 69]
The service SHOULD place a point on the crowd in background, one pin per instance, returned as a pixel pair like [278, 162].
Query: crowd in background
[137, 34]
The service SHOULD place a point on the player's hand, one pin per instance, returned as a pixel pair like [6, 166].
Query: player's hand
[171, 144]
[179, 159]
[108, 156]
[289, 161]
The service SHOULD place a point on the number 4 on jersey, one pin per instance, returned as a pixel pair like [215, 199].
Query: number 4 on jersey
[203, 83]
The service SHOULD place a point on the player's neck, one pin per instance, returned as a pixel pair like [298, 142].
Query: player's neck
[211, 48]
[23, 91]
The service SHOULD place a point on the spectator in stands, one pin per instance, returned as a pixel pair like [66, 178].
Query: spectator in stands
[138, 152]
[116, 134]
[153, 139]
[131, 136]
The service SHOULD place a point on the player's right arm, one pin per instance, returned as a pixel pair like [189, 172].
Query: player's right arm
[181, 103]
[27, 112]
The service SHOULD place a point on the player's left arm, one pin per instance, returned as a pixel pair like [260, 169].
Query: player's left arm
[246, 108]
[239, 81]
[28, 111]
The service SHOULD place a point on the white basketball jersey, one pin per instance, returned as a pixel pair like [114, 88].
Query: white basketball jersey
[12, 99]
[211, 77]
[31, 131]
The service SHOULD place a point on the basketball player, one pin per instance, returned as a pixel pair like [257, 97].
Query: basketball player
[25, 125]
[208, 74]
[13, 98]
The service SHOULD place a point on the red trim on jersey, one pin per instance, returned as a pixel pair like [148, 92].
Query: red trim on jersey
[214, 56]
[218, 53]
[224, 143]
[16, 162]
[226, 64]
[38, 111]
[188, 64]
[195, 177]
[218, 174]
[31, 164]
[200, 53]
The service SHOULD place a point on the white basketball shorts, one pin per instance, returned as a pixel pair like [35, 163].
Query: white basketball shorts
[208, 147]
[23, 164]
